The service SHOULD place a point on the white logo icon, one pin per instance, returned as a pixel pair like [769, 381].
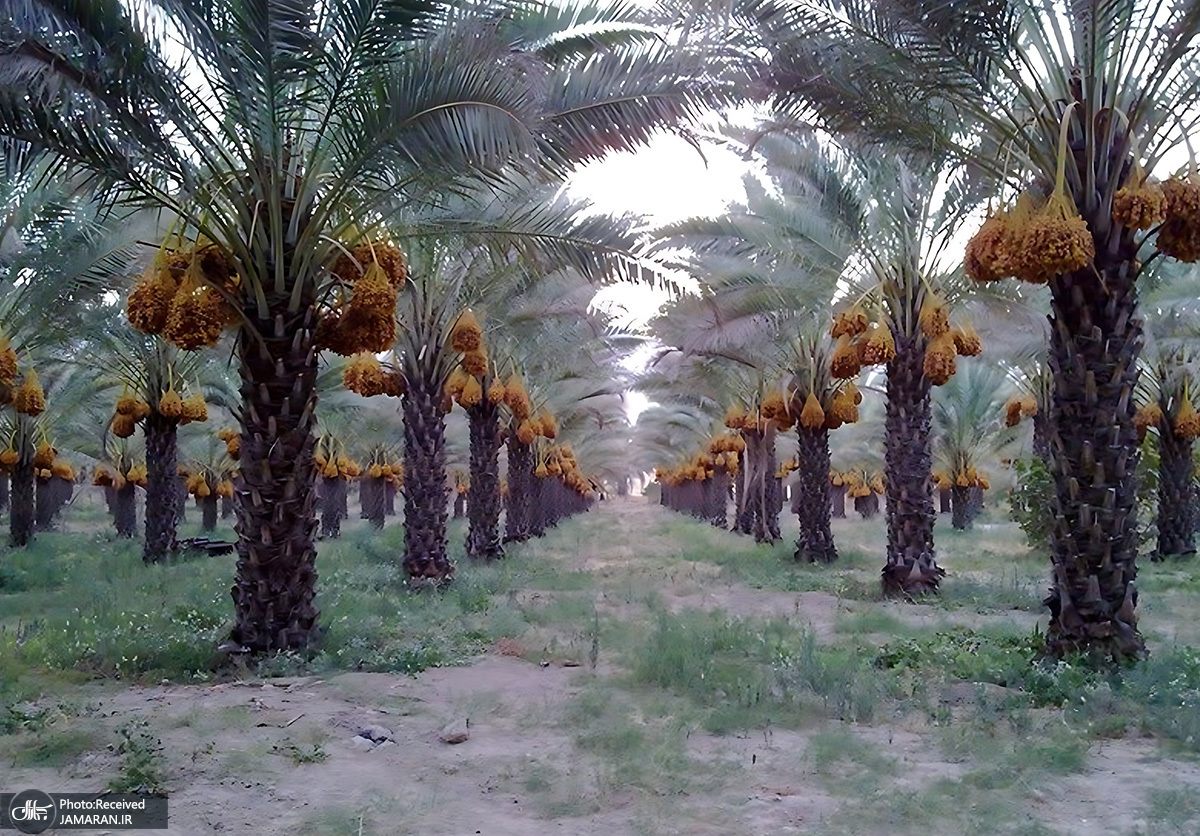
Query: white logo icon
[31, 811]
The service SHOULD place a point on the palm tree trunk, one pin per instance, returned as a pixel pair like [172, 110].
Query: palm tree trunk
[208, 512]
[460, 504]
[373, 497]
[276, 510]
[838, 501]
[425, 554]
[331, 494]
[389, 498]
[57, 493]
[762, 504]
[1041, 436]
[537, 506]
[483, 501]
[22, 515]
[181, 499]
[772, 498]
[520, 477]
[750, 514]
[719, 498]
[867, 506]
[162, 494]
[43, 505]
[3, 491]
[815, 544]
[911, 567]
[125, 511]
[1095, 339]
[945, 505]
[960, 508]
[1176, 494]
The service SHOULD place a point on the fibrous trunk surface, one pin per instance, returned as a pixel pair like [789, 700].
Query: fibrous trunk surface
[372, 495]
[125, 510]
[22, 516]
[960, 508]
[425, 553]
[163, 500]
[911, 568]
[209, 506]
[483, 501]
[1095, 340]
[330, 494]
[812, 503]
[276, 509]
[520, 476]
[1176, 494]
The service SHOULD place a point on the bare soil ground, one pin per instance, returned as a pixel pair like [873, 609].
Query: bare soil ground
[287, 755]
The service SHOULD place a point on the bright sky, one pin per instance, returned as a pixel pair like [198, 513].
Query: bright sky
[666, 182]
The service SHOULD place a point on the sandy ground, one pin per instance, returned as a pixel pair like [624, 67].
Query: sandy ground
[235, 750]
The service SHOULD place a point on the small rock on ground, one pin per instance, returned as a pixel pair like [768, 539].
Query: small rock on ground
[454, 732]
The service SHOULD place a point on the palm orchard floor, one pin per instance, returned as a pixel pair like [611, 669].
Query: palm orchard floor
[634, 672]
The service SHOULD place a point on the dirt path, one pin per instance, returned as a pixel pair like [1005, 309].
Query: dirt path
[360, 753]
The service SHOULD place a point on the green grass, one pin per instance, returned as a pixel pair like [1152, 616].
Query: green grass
[656, 676]
[753, 673]
[89, 605]
[54, 746]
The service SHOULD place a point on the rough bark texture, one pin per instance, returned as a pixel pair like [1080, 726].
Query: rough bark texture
[425, 555]
[52, 495]
[760, 508]
[1095, 340]
[867, 506]
[125, 511]
[772, 499]
[181, 499]
[372, 495]
[460, 504]
[815, 543]
[3, 491]
[838, 501]
[960, 508]
[944, 503]
[1176, 495]
[331, 494]
[718, 498]
[483, 502]
[276, 508]
[911, 568]
[741, 523]
[22, 515]
[163, 500]
[209, 506]
[537, 506]
[520, 475]
[1041, 436]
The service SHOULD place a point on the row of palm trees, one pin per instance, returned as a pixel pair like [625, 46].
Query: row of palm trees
[1053, 115]
[287, 134]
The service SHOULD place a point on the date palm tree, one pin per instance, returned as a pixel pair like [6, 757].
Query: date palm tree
[282, 129]
[1171, 410]
[162, 388]
[1072, 106]
[770, 267]
[969, 434]
[56, 258]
